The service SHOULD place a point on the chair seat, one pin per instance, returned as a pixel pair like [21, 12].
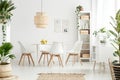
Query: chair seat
[29, 58]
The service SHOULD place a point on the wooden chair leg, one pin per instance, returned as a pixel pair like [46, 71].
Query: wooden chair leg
[60, 60]
[67, 58]
[47, 57]
[74, 59]
[28, 59]
[23, 58]
[94, 65]
[51, 57]
[44, 59]
[32, 60]
[40, 58]
[104, 65]
[80, 61]
[20, 59]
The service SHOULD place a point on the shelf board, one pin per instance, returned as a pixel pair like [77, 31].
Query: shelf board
[85, 49]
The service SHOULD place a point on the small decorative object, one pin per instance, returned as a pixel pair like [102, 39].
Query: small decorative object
[5, 55]
[5, 15]
[79, 8]
[43, 41]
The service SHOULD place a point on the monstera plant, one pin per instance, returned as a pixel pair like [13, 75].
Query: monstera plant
[6, 7]
[116, 33]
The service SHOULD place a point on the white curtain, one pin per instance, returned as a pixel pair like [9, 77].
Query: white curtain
[105, 9]
[117, 4]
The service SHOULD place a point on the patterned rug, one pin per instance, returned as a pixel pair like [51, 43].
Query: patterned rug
[60, 76]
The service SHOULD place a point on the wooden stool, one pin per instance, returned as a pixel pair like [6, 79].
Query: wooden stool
[59, 59]
[29, 57]
[45, 54]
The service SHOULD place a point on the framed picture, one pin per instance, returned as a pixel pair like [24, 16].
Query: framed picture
[65, 25]
[57, 25]
[61, 25]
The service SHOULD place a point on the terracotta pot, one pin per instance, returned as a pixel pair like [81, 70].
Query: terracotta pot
[5, 70]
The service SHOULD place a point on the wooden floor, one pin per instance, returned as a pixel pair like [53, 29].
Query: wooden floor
[29, 72]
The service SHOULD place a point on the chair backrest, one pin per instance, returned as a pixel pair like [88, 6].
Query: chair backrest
[57, 47]
[22, 47]
[77, 47]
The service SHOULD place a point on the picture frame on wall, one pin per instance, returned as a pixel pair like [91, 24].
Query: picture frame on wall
[61, 25]
[57, 25]
[65, 25]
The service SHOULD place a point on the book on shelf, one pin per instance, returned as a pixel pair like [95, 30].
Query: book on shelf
[84, 31]
[85, 17]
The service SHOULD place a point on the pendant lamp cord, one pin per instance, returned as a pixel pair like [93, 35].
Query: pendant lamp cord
[41, 6]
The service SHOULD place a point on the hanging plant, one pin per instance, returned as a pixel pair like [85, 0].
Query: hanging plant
[6, 7]
[77, 11]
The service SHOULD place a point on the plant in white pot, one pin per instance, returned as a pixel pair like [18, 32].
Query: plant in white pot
[6, 8]
[5, 55]
[102, 35]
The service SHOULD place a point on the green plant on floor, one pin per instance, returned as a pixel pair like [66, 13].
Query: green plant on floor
[116, 33]
[5, 54]
[6, 7]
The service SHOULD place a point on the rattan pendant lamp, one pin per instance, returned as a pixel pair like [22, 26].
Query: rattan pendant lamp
[40, 19]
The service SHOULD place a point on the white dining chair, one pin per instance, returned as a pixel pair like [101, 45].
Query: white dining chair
[45, 51]
[24, 54]
[75, 51]
[56, 51]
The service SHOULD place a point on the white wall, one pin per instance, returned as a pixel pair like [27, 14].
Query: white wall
[23, 28]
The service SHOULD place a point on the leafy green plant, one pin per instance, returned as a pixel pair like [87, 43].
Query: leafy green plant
[77, 11]
[5, 54]
[116, 33]
[101, 30]
[6, 7]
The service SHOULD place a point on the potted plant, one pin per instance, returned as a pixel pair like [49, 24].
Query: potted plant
[5, 55]
[77, 11]
[102, 35]
[116, 34]
[116, 43]
[6, 7]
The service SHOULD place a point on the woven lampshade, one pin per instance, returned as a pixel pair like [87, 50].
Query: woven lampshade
[40, 20]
